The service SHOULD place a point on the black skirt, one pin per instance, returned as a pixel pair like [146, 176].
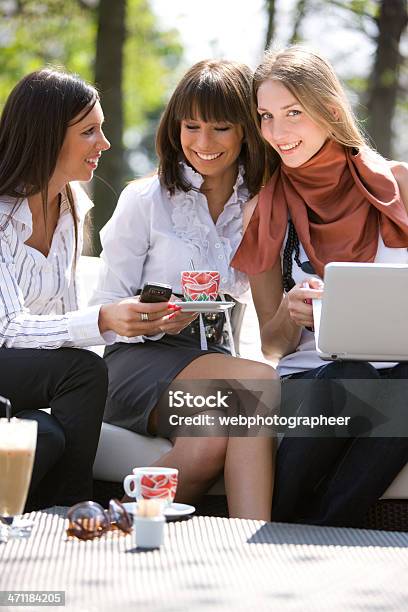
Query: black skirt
[140, 373]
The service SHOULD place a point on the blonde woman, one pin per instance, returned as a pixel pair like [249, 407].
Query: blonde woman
[330, 198]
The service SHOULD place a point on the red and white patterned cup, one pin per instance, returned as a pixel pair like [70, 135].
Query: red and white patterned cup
[152, 483]
[200, 285]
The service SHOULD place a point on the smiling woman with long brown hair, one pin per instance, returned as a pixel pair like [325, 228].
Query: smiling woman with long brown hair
[50, 137]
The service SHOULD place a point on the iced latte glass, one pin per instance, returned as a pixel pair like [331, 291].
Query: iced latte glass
[18, 439]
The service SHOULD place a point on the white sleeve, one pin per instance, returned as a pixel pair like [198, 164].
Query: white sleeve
[20, 329]
[125, 242]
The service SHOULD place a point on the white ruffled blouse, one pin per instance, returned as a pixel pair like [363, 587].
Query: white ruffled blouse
[152, 236]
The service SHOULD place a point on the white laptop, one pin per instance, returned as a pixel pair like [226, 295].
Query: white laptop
[364, 312]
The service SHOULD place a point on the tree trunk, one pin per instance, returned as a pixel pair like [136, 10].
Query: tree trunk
[300, 13]
[111, 172]
[383, 84]
[271, 10]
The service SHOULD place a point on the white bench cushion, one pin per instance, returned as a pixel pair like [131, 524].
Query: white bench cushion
[120, 450]
[398, 489]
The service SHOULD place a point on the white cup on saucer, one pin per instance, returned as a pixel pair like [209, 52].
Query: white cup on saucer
[159, 483]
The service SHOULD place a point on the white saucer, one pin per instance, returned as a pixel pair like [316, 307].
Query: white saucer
[171, 512]
[203, 306]
[21, 527]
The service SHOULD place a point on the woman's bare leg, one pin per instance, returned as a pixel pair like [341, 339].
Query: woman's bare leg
[249, 462]
[248, 475]
[200, 462]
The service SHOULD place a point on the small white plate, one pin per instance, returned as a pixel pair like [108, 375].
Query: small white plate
[171, 512]
[21, 527]
[202, 306]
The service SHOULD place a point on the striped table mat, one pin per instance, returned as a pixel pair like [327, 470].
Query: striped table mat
[213, 563]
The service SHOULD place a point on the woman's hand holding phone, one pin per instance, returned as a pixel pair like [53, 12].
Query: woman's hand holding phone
[174, 322]
[130, 317]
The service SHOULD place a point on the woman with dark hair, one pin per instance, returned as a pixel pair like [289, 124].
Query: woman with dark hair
[211, 160]
[51, 135]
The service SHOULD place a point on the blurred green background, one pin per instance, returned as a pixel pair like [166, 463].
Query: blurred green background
[135, 59]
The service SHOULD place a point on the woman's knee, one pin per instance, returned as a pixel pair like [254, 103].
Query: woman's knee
[93, 364]
[246, 369]
[256, 394]
[79, 394]
[50, 435]
[348, 370]
[218, 367]
[266, 372]
[79, 358]
[206, 456]
[89, 369]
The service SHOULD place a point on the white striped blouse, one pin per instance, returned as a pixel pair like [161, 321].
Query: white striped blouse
[39, 295]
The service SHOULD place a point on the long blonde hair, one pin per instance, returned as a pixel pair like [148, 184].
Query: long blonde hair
[312, 81]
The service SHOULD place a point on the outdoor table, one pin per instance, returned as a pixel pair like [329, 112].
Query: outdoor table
[210, 562]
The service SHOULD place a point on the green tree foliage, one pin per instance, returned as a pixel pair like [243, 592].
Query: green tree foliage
[63, 32]
[382, 92]
[151, 56]
[133, 63]
[38, 32]
[35, 33]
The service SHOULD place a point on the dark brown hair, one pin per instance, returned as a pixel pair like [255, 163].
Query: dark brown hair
[33, 125]
[211, 90]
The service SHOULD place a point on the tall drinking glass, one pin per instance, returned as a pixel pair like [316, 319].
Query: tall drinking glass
[18, 440]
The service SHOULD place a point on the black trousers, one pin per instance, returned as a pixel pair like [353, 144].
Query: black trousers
[73, 383]
[333, 481]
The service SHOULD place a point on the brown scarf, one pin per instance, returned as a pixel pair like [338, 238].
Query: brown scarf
[339, 203]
